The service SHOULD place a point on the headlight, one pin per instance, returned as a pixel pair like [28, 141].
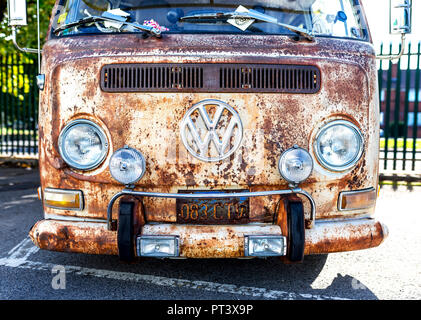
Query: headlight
[83, 144]
[295, 165]
[339, 145]
[127, 165]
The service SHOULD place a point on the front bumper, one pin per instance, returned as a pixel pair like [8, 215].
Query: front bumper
[208, 241]
[140, 194]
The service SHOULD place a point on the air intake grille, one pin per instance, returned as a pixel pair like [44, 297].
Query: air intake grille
[210, 78]
[133, 78]
[301, 79]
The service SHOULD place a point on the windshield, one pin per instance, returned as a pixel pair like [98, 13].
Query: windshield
[331, 18]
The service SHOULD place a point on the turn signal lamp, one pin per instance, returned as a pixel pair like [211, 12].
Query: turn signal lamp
[63, 199]
[355, 200]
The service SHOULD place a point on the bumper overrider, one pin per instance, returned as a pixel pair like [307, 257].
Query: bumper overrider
[290, 236]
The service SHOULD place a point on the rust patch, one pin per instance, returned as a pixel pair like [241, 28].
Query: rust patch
[59, 236]
[346, 238]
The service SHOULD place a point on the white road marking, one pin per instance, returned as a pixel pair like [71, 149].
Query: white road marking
[17, 258]
[20, 253]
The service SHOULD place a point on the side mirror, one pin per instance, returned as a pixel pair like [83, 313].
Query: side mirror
[400, 16]
[17, 13]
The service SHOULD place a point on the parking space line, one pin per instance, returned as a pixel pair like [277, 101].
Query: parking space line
[175, 283]
[20, 253]
[18, 258]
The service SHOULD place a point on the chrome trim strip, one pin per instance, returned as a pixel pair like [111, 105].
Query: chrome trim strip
[129, 192]
[49, 216]
[344, 220]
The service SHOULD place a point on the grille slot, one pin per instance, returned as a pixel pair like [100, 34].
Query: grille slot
[133, 78]
[210, 78]
[297, 79]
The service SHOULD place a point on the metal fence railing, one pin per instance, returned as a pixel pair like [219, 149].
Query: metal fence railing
[18, 106]
[399, 87]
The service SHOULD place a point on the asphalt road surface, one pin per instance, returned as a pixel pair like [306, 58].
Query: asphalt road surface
[391, 271]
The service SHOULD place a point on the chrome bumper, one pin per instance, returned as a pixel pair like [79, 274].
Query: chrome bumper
[130, 192]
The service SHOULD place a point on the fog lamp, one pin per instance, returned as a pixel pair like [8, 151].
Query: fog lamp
[158, 246]
[127, 165]
[354, 200]
[63, 199]
[265, 246]
[295, 165]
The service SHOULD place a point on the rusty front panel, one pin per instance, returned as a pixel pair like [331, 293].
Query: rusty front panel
[150, 122]
[74, 237]
[332, 237]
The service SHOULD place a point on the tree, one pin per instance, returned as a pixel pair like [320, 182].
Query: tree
[3, 6]
[27, 36]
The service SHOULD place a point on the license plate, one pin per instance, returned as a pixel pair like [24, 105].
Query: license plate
[213, 211]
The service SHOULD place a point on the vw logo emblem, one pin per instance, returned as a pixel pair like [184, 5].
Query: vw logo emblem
[211, 130]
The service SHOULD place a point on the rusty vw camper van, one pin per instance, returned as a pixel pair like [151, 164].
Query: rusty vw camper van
[208, 129]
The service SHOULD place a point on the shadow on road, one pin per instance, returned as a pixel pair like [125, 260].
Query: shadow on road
[270, 273]
[410, 180]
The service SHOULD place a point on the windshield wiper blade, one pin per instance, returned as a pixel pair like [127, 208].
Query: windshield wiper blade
[109, 18]
[251, 14]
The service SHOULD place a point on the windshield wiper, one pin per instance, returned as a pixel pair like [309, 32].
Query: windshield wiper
[251, 14]
[109, 17]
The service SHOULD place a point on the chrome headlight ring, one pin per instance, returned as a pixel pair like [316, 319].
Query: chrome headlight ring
[101, 138]
[356, 156]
